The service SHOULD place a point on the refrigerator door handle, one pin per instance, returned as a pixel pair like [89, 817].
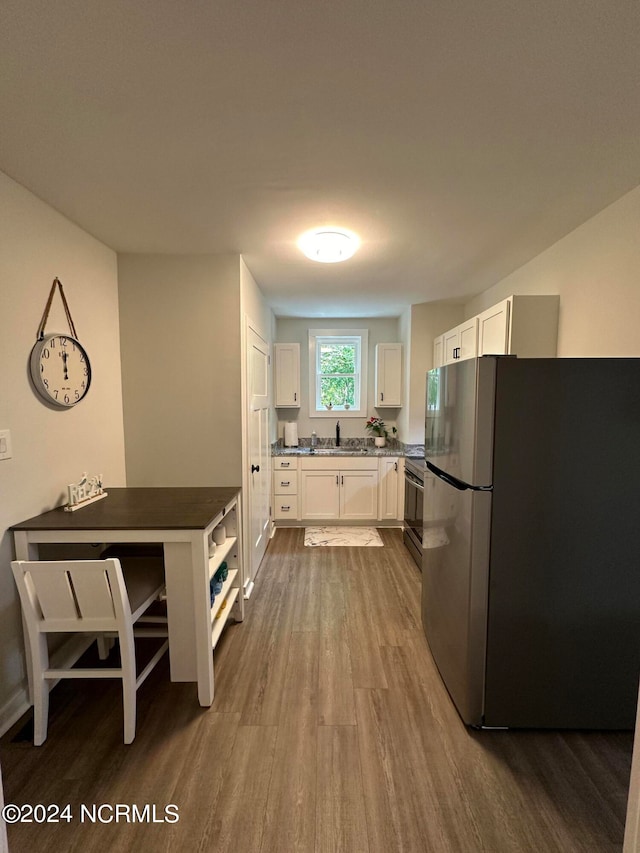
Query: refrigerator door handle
[454, 481]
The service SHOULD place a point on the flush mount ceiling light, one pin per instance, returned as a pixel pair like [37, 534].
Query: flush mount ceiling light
[329, 245]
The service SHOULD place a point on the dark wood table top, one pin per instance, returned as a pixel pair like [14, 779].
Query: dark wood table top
[169, 508]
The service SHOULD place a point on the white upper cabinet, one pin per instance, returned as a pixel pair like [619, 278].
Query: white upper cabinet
[388, 375]
[450, 345]
[493, 329]
[526, 326]
[460, 343]
[287, 375]
[438, 351]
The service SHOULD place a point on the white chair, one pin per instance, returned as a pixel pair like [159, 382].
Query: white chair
[92, 600]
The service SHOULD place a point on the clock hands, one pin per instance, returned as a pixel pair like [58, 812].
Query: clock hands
[64, 359]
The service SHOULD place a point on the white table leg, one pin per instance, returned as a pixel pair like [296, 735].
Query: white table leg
[189, 614]
[180, 611]
[202, 613]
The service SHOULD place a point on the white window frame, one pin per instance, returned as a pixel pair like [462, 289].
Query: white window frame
[360, 412]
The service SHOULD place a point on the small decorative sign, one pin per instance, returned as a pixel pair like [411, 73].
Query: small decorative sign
[85, 492]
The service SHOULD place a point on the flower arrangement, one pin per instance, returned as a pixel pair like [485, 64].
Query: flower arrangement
[376, 427]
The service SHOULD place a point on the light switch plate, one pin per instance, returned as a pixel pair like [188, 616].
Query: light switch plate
[5, 444]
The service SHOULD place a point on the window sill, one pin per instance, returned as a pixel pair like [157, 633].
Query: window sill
[338, 413]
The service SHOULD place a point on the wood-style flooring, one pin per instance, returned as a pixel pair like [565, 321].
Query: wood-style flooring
[330, 731]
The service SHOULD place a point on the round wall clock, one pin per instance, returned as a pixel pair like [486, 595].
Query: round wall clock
[60, 370]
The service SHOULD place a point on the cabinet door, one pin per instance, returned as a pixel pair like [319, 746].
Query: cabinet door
[388, 375]
[493, 330]
[388, 488]
[358, 494]
[438, 351]
[468, 338]
[287, 375]
[451, 342]
[320, 494]
[461, 342]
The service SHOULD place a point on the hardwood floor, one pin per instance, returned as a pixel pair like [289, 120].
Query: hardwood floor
[330, 731]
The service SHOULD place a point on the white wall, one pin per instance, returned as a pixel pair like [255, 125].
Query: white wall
[596, 271]
[254, 306]
[423, 324]
[296, 330]
[257, 313]
[181, 362]
[404, 336]
[51, 448]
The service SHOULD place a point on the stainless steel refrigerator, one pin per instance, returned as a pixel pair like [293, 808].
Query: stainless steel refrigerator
[531, 540]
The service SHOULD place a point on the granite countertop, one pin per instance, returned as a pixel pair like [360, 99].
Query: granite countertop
[351, 448]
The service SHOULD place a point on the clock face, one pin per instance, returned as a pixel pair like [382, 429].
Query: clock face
[60, 370]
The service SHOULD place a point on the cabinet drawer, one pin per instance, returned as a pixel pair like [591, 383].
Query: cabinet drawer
[285, 506]
[285, 463]
[285, 482]
[339, 463]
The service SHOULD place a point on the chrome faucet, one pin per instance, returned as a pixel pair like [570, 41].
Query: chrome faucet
[338, 434]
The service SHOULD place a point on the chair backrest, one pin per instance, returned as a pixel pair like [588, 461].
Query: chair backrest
[72, 595]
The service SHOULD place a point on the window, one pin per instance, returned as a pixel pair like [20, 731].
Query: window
[338, 372]
[433, 391]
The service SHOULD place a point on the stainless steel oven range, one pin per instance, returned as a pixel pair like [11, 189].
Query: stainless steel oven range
[413, 492]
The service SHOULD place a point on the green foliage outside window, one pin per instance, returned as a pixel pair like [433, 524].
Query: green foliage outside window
[433, 392]
[337, 372]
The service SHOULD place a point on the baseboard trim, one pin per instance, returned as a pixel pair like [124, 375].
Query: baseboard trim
[337, 522]
[12, 710]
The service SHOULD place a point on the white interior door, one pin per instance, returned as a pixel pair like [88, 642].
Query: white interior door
[259, 474]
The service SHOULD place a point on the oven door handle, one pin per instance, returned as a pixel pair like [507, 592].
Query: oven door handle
[409, 479]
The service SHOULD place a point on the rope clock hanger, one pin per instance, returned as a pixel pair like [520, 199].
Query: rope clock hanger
[59, 365]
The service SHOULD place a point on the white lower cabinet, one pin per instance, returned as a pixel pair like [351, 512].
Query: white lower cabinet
[285, 489]
[391, 488]
[320, 494]
[359, 495]
[348, 492]
[333, 488]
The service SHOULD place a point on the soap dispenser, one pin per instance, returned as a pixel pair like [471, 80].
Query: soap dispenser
[314, 439]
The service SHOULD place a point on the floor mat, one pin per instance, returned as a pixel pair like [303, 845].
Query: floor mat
[359, 537]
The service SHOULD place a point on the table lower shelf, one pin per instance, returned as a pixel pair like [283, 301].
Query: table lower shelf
[221, 608]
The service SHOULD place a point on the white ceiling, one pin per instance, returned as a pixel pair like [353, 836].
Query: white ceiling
[459, 138]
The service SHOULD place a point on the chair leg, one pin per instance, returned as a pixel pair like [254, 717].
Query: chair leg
[40, 690]
[105, 644]
[129, 707]
[128, 663]
[40, 711]
[103, 647]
